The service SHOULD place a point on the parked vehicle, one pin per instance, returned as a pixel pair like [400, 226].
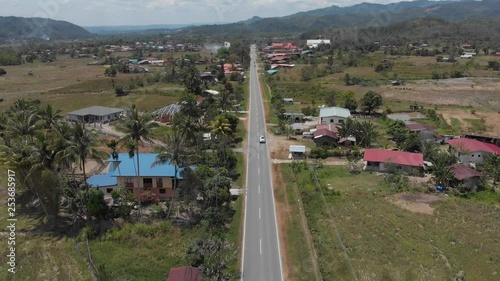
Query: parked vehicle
[307, 135]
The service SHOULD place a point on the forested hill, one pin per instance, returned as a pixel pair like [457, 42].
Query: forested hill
[18, 28]
[478, 31]
[361, 16]
[369, 8]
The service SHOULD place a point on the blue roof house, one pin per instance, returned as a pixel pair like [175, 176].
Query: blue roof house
[122, 172]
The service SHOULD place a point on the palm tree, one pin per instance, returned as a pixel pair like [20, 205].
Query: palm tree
[220, 126]
[23, 124]
[113, 145]
[188, 126]
[19, 156]
[49, 117]
[80, 147]
[442, 173]
[441, 168]
[137, 129]
[173, 152]
[83, 146]
[225, 101]
[366, 133]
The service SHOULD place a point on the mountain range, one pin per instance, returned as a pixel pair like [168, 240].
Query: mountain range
[362, 15]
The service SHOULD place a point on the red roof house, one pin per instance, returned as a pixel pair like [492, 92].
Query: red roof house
[461, 172]
[484, 138]
[324, 137]
[472, 151]
[284, 45]
[467, 145]
[330, 126]
[388, 161]
[186, 273]
[465, 175]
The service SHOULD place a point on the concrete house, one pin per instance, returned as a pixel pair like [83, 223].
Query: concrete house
[379, 160]
[425, 132]
[335, 115]
[98, 114]
[471, 151]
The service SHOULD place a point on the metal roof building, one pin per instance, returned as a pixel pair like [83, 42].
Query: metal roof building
[95, 114]
[166, 114]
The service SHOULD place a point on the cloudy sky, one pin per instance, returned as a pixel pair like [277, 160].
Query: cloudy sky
[144, 12]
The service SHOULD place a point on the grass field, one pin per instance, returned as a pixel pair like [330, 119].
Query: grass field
[39, 255]
[386, 242]
[299, 256]
[141, 251]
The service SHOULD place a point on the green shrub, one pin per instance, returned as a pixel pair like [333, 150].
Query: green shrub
[319, 153]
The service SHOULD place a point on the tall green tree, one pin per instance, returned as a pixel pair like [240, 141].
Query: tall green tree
[491, 167]
[137, 128]
[351, 104]
[371, 101]
[191, 79]
[173, 152]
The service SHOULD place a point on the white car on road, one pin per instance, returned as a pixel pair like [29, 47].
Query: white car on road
[262, 139]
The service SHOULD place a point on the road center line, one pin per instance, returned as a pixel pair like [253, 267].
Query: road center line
[260, 246]
[258, 156]
[259, 188]
[259, 213]
[258, 170]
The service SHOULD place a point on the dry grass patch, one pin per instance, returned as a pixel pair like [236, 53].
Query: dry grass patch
[416, 203]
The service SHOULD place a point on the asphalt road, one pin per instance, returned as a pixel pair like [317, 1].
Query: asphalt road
[261, 251]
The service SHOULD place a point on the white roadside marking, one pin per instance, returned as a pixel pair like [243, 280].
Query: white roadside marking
[260, 246]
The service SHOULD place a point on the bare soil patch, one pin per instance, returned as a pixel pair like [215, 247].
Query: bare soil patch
[476, 92]
[279, 146]
[492, 119]
[416, 203]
